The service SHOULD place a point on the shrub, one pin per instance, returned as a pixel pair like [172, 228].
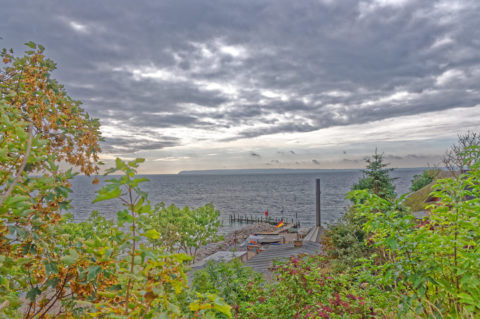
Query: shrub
[228, 280]
[422, 180]
[184, 230]
[345, 241]
[306, 287]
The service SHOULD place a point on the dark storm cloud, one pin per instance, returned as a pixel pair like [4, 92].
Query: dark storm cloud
[262, 67]
[125, 145]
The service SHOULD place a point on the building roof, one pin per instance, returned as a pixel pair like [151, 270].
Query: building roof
[263, 261]
[223, 255]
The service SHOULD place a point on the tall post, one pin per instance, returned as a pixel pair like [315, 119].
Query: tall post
[317, 203]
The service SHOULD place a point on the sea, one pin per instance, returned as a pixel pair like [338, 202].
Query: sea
[288, 195]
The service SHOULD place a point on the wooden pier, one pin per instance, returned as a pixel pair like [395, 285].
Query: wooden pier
[250, 219]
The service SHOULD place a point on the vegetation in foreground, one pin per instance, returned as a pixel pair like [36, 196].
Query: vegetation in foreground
[380, 261]
[53, 267]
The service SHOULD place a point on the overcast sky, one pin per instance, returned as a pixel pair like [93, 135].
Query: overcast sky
[207, 84]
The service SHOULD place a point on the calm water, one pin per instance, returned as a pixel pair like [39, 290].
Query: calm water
[294, 194]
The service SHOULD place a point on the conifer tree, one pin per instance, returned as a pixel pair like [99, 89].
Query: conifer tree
[376, 177]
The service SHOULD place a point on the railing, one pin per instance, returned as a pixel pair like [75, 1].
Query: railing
[250, 219]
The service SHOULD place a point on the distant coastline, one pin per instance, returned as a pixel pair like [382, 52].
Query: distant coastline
[273, 171]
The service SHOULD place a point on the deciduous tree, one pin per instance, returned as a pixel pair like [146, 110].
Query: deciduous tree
[41, 126]
[456, 159]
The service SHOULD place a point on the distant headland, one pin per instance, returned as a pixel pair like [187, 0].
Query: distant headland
[269, 171]
[258, 171]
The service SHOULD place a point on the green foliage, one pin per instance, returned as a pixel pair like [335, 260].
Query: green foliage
[182, 229]
[228, 280]
[306, 287]
[50, 265]
[420, 181]
[376, 178]
[40, 127]
[433, 265]
[345, 241]
[144, 280]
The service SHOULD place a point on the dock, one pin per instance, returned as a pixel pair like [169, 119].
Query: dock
[248, 219]
[277, 231]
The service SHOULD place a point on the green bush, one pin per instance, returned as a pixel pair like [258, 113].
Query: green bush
[228, 280]
[345, 241]
[421, 180]
[306, 287]
[182, 229]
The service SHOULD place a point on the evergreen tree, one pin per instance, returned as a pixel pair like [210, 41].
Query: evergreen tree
[376, 178]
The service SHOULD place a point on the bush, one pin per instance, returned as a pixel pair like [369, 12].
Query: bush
[182, 230]
[422, 180]
[228, 280]
[345, 242]
[306, 287]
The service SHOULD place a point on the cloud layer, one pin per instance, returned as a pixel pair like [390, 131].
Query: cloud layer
[165, 74]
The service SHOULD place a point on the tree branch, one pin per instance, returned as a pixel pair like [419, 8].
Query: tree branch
[22, 167]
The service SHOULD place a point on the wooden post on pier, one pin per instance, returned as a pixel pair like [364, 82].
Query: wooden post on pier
[317, 203]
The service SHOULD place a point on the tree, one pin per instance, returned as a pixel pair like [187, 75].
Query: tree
[183, 229]
[49, 264]
[376, 178]
[27, 86]
[456, 159]
[41, 126]
[142, 280]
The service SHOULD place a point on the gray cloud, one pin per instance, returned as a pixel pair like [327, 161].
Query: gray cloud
[125, 145]
[407, 157]
[286, 153]
[393, 157]
[314, 161]
[253, 154]
[347, 160]
[262, 67]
